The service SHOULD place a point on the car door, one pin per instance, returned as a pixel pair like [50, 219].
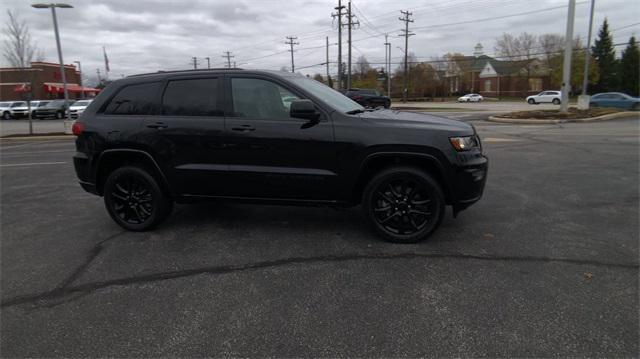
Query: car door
[270, 154]
[186, 136]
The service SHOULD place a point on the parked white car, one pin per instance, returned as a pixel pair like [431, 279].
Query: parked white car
[472, 97]
[77, 108]
[4, 110]
[13, 109]
[545, 97]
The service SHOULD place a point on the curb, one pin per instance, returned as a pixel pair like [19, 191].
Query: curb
[530, 121]
[38, 138]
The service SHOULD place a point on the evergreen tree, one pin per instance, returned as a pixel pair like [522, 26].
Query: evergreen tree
[605, 56]
[629, 79]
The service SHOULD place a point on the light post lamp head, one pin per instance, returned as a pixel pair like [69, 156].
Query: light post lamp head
[47, 6]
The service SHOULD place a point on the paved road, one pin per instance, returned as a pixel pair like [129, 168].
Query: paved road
[15, 127]
[546, 264]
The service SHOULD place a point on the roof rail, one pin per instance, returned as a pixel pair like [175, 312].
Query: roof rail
[183, 71]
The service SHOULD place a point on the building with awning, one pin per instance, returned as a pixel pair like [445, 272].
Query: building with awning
[42, 81]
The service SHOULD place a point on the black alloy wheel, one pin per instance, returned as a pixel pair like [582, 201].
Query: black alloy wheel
[134, 199]
[404, 204]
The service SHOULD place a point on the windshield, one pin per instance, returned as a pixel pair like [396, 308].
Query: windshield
[19, 104]
[328, 95]
[56, 103]
[4, 104]
[81, 103]
[42, 103]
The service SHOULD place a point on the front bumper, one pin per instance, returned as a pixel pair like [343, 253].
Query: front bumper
[469, 183]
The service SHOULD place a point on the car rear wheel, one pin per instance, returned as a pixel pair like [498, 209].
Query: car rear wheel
[387, 104]
[403, 204]
[556, 101]
[135, 200]
[531, 101]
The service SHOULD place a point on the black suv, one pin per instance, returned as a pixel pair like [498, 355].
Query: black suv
[54, 109]
[368, 98]
[148, 141]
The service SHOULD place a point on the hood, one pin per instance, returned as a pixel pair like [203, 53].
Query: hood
[415, 120]
[81, 107]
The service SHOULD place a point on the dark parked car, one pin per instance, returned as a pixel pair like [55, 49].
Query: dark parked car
[368, 98]
[615, 99]
[54, 109]
[148, 141]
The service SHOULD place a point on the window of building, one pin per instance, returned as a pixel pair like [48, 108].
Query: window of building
[259, 98]
[192, 97]
[135, 100]
[535, 84]
[487, 85]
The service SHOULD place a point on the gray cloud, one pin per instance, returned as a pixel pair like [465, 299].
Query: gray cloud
[143, 36]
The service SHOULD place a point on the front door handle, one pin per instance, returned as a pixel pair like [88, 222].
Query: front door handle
[243, 128]
[157, 125]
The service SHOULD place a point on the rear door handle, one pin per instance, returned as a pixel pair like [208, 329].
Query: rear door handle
[243, 128]
[157, 125]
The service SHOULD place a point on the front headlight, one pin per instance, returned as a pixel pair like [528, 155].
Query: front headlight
[464, 143]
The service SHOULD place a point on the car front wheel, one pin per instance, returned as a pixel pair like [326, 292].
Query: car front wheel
[403, 204]
[531, 101]
[135, 200]
[6, 115]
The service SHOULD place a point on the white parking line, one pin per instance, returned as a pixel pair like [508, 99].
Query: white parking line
[32, 164]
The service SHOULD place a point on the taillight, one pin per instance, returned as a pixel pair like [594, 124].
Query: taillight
[77, 128]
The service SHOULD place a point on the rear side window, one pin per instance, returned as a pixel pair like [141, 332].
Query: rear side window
[193, 97]
[135, 100]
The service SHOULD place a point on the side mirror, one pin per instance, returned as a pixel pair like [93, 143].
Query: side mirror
[303, 109]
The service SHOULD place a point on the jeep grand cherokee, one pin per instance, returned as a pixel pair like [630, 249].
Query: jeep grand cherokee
[150, 140]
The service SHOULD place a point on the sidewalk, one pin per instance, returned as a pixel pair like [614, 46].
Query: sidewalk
[15, 127]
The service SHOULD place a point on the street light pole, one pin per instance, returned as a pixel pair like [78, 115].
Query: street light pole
[566, 67]
[55, 27]
[80, 71]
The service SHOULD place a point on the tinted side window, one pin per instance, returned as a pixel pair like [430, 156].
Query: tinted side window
[260, 98]
[193, 97]
[135, 100]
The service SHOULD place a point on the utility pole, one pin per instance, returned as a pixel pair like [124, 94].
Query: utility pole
[291, 42]
[406, 34]
[585, 76]
[328, 78]
[566, 67]
[350, 24]
[195, 63]
[208, 63]
[228, 55]
[387, 63]
[339, 14]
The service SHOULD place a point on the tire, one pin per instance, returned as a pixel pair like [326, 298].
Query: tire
[414, 197]
[59, 115]
[555, 101]
[6, 115]
[135, 188]
[387, 104]
[531, 101]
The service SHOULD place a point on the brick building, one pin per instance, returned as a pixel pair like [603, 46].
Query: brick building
[495, 78]
[42, 81]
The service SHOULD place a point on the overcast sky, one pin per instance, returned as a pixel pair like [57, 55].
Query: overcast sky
[146, 36]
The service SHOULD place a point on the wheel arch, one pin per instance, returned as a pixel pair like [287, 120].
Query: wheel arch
[377, 162]
[112, 159]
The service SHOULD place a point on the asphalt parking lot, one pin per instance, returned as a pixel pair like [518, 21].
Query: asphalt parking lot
[546, 264]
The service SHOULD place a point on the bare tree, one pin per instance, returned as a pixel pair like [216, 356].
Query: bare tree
[362, 66]
[521, 47]
[18, 48]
